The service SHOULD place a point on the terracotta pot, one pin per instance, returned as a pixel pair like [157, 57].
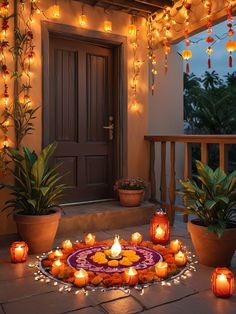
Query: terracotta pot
[210, 249]
[38, 231]
[130, 198]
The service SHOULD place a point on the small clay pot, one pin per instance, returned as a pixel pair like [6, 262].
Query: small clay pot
[38, 231]
[210, 249]
[130, 198]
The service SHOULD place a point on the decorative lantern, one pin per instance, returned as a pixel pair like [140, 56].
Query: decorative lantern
[160, 227]
[186, 55]
[82, 18]
[56, 10]
[107, 26]
[230, 47]
[209, 51]
[19, 252]
[222, 282]
[132, 30]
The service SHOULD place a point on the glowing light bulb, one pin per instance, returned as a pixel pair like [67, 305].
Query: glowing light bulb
[56, 11]
[5, 143]
[132, 30]
[82, 20]
[107, 26]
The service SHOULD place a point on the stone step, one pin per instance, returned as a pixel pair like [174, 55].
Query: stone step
[103, 216]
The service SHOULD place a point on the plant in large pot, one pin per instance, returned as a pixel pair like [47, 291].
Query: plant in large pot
[131, 191]
[211, 197]
[36, 193]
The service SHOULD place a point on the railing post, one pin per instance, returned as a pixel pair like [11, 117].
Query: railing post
[163, 173]
[152, 174]
[171, 209]
[223, 157]
[204, 153]
[187, 167]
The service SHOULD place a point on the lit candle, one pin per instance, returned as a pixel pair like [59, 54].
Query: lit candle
[175, 246]
[136, 238]
[89, 239]
[81, 278]
[56, 267]
[160, 233]
[67, 245]
[58, 254]
[131, 276]
[161, 269]
[223, 282]
[222, 285]
[107, 26]
[116, 248]
[19, 252]
[180, 259]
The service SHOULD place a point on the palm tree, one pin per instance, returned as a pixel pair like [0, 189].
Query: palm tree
[211, 80]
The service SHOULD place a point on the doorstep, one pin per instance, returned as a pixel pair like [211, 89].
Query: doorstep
[103, 216]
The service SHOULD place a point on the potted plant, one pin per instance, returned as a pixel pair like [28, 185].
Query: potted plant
[36, 193]
[211, 196]
[131, 191]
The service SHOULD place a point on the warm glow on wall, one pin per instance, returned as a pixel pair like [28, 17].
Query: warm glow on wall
[107, 26]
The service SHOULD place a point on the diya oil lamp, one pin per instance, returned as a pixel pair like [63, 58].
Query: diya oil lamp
[81, 278]
[161, 269]
[131, 276]
[175, 246]
[89, 239]
[56, 267]
[180, 259]
[136, 238]
[58, 254]
[67, 245]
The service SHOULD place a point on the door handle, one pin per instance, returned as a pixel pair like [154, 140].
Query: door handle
[110, 129]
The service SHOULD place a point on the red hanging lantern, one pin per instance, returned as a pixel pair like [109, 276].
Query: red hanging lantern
[19, 252]
[230, 47]
[186, 55]
[209, 51]
[160, 228]
[222, 282]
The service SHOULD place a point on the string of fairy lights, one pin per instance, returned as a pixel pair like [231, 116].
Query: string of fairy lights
[159, 32]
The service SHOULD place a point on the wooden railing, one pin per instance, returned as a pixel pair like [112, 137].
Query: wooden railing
[187, 140]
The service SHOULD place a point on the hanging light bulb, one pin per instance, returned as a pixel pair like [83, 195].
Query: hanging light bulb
[56, 10]
[82, 18]
[107, 26]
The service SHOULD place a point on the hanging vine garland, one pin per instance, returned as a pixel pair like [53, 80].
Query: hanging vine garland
[4, 47]
[209, 38]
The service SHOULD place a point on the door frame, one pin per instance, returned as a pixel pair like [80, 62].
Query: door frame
[119, 45]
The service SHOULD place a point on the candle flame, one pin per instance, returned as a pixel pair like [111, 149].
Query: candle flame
[57, 263]
[159, 232]
[116, 247]
[222, 277]
[162, 265]
[132, 271]
[136, 235]
[58, 253]
[81, 273]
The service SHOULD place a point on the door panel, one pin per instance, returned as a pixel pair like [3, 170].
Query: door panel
[81, 103]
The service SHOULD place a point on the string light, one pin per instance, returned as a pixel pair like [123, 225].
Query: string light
[56, 10]
[82, 18]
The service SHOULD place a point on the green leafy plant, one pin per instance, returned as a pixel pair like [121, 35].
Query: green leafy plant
[37, 188]
[211, 196]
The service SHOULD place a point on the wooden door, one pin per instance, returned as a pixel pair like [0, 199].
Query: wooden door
[81, 105]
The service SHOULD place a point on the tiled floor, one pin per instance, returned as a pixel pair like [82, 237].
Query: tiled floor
[21, 294]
